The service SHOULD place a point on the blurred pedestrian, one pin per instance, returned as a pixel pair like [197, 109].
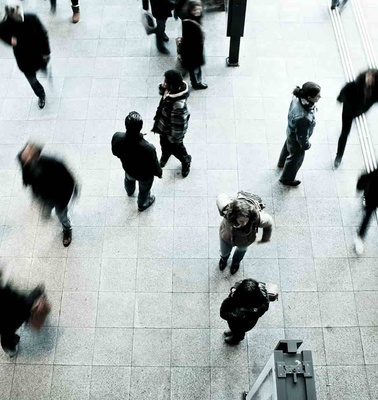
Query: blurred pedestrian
[247, 302]
[368, 183]
[338, 3]
[139, 160]
[30, 42]
[192, 43]
[301, 124]
[357, 98]
[16, 308]
[242, 217]
[161, 10]
[51, 183]
[75, 10]
[171, 120]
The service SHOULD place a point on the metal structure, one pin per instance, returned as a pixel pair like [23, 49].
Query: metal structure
[288, 375]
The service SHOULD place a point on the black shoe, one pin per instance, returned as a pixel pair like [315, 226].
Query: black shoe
[279, 166]
[162, 49]
[41, 102]
[185, 169]
[227, 333]
[163, 161]
[67, 238]
[230, 340]
[200, 86]
[165, 37]
[290, 183]
[152, 200]
[53, 9]
[337, 161]
[333, 7]
[222, 264]
[234, 268]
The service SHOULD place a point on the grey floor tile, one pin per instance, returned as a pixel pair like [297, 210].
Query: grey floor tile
[113, 346]
[224, 355]
[222, 281]
[259, 159]
[17, 241]
[351, 210]
[290, 212]
[369, 344]
[324, 212]
[21, 211]
[161, 214]
[111, 383]
[328, 242]
[55, 299]
[366, 310]
[71, 382]
[190, 211]
[152, 347]
[6, 377]
[150, 383]
[320, 184]
[190, 347]
[262, 269]
[95, 156]
[154, 275]
[117, 275]
[190, 310]
[190, 276]
[338, 309]
[75, 346]
[348, 383]
[220, 131]
[96, 183]
[256, 181]
[115, 310]
[78, 309]
[296, 306]
[31, 381]
[86, 242]
[190, 242]
[67, 131]
[228, 383]
[372, 377]
[370, 242]
[221, 182]
[221, 156]
[190, 383]
[216, 300]
[122, 211]
[155, 242]
[336, 351]
[293, 242]
[153, 310]
[364, 273]
[297, 275]
[120, 243]
[333, 274]
[19, 269]
[75, 87]
[195, 184]
[82, 274]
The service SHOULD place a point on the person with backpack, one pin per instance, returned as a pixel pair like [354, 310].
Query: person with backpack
[301, 124]
[242, 217]
[247, 302]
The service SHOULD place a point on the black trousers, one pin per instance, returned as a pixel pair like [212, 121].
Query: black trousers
[291, 159]
[74, 4]
[160, 30]
[195, 76]
[239, 329]
[365, 222]
[35, 84]
[347, 120]
[176, 149]
[144, 189]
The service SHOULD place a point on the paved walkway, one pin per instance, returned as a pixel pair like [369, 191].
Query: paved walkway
[136, 296]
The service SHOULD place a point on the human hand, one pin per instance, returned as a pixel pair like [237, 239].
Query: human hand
[14, 41]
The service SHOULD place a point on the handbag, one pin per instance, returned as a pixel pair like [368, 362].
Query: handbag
[273, 291]
[148, 22]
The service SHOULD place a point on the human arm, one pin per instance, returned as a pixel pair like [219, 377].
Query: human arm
[156, 164]
[179, 121]
[302, 127]
[266, 222]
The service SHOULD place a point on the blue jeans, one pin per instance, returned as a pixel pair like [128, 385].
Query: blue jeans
[144, 197]
[62, 214]
[225, 251]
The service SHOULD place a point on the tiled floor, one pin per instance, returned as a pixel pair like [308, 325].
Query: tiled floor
[136, 297]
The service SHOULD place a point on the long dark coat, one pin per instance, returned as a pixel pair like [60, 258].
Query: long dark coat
[160, 9]
[369, 184]
[192, 54]
[32, 42]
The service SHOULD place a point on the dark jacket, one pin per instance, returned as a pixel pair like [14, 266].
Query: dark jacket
[356, 97]
[32, 42]
[301, 124]
[244, 314]
[172, 114]
[191, 51]
[50, 180]
[160, 9]
[369, 184]
[138, 156]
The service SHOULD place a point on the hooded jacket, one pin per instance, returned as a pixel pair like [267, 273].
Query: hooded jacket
[32, 42]
[301, 124]
[172, 114]
[137, 155]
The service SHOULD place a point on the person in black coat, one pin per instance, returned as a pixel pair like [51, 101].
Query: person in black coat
[15, 309]
[357, 98]
[368, 183]
[161, 10]
[51, 183]
[30, 42]
[139, 160]
[192, 45]
[247, 302]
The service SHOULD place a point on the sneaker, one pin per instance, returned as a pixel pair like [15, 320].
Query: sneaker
[290, 183]
[358, 245]
[41, 102]
[337, 161]
[222, 264]
[152, 200]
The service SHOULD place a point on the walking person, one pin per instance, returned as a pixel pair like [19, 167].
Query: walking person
[171, 120]
[16, 308]
[357, 98]
[75, 10]
[247, 302]
[301, 124]
[30, 42]
[161, 10]
[192, 43]
[51, 183]
[242, 217]
[139, 160]
[368, 183]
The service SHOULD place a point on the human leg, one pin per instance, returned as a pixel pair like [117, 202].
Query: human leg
[180, 152]
[65, 219]
[238, 256]
[53, 5]
[365, 222]
[9, 342]
[144, 197]
[238, 331]
[292, 164]
[75, 10]
[225, 251]
[166, 150]
[195, 75]
[35, 85]
[161, 36]
[347, 120]
[283, 156]
[129, 184]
